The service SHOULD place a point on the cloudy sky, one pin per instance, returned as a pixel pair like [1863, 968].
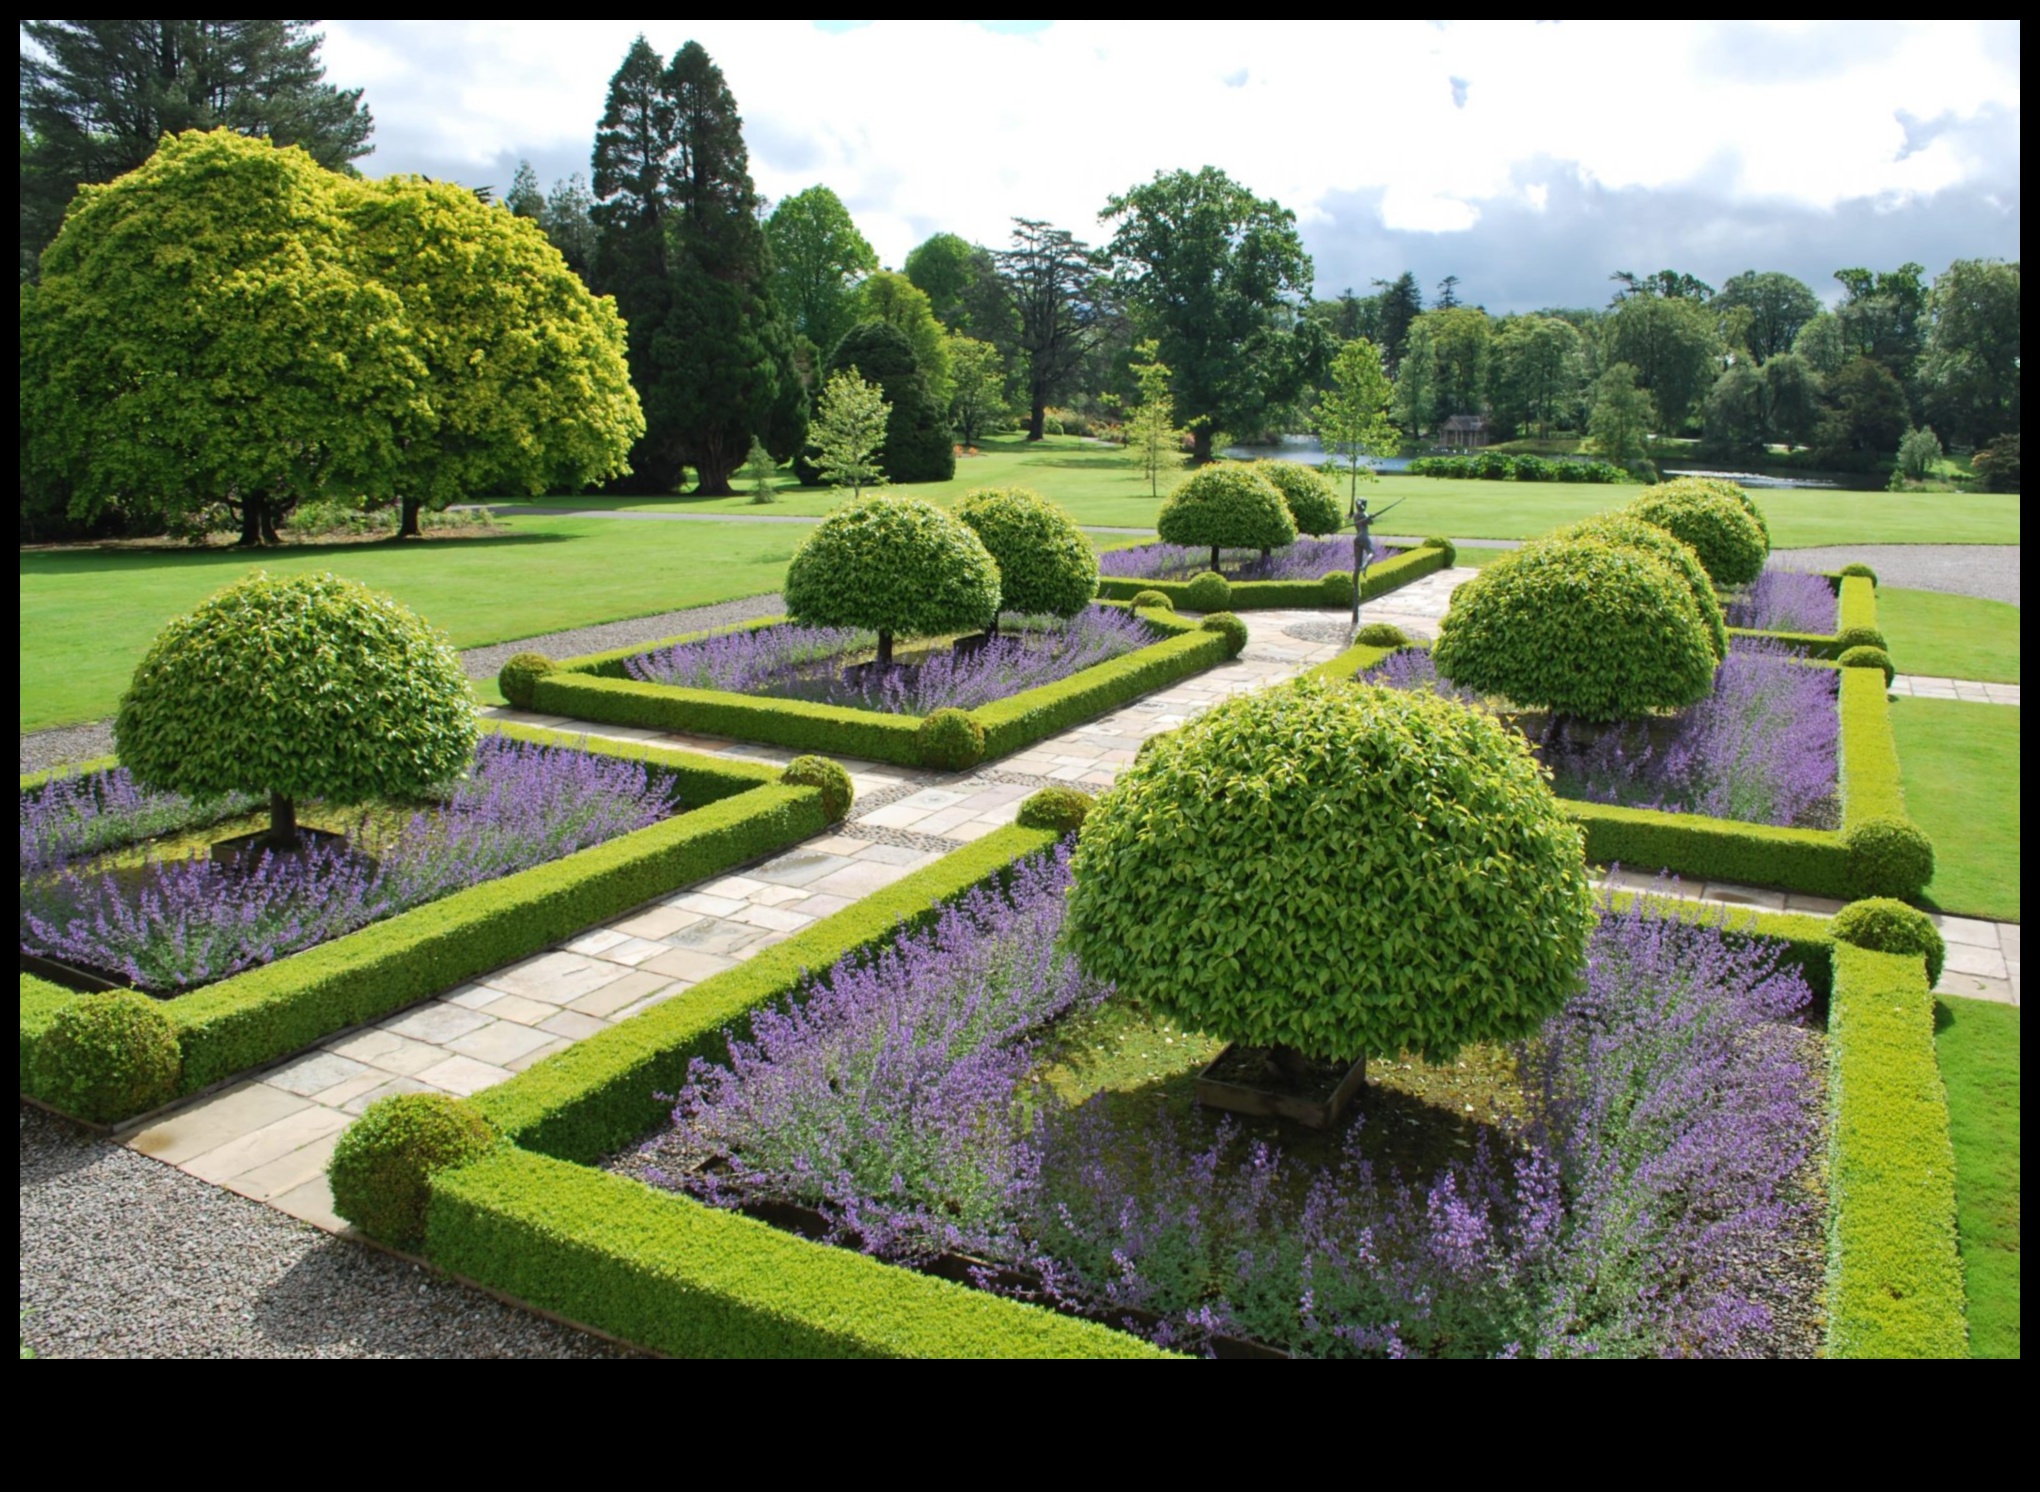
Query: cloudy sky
[1530, 159]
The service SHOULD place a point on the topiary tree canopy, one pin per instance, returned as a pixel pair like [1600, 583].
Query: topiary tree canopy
[298, 686]
[1581, 628]
[1722, 488]
[918, 441]
[895, 566]
[1625, 532]
[1312, 500]
[1732, 548]
[1343, 871]
[1226, 506]
[1046, 565]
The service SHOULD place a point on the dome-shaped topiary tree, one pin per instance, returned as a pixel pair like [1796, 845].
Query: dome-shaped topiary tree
[1046, 565]
[895, 566]
[919, 445]
[1580, 628]
[1721, 487]
[298, 686]
[1732, 548]
[1226, 506]
[1342, 871]
[1312, 500]
[1625, 532]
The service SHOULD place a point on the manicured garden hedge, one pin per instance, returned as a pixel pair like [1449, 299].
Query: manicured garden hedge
[1855, 624]
[737, 812]
[536, 1221]
[1335, 589]
[596, 687]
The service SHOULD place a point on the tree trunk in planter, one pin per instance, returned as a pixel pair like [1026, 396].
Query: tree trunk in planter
[283, 825]
[1214, 561]
[884, 648]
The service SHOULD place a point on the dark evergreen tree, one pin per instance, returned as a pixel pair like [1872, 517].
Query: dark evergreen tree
[1401, 303]
[1053, 281]
[919, 446]
[96, 97]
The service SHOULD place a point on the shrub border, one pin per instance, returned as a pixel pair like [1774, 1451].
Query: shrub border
[537, 1222]
[1293, 595]
[738, 812]
[594, 687]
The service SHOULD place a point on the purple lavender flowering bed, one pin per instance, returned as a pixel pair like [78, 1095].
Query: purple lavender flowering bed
[1307, 559]
[969, 1092]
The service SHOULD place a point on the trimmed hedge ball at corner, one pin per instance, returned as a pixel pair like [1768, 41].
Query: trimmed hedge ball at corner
[1861, 570]
[1227, 880]
[1060, 809]
[1451, 550]
[1888, 856]
[1886, 926]
[1209, 591]
[382, 1164]
[1861, 637]
[1730, 543]
[1864, 656]
[1046, 565]
[838, 793]
[1231, 628]
[1382, 635]
[518, 678]
[1312, 500]
[951, 740]
[1152, 601]
[106, 1057]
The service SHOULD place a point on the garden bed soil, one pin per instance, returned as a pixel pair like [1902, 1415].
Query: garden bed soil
[1248, 1080]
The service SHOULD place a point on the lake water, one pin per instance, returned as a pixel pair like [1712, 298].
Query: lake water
[1306, 450]
[1749, 478]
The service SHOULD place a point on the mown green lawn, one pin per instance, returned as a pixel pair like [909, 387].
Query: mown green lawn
[88, 615]
[1978, 1044]
[1099, 486]
[1950, 637]
[1960, 766]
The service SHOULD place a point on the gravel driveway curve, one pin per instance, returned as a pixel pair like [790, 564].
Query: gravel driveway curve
[122, 1256]
[1987, 571]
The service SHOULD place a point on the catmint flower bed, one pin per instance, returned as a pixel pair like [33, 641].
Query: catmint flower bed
[1763, 748]
[1651, 1190]
[1306, 559]
[808, 663]
[93, 898]
[1785, 601]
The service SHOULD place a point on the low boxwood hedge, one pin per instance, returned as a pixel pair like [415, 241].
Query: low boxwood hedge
[1335, 589]
[738, 812]
[593, 688]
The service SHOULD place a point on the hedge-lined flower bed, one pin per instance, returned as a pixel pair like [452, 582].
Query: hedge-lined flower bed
[1307, 559]
[1332, 588]
[1785, 601]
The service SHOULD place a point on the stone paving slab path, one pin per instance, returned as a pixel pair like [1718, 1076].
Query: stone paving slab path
[1923, 686]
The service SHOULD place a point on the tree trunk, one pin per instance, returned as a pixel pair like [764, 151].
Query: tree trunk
[270, 516]
[712, 478]
[1037, 419]
[407, 518]
[1200, 444]
[1214, 559]
[283, 826]
[251, 523]
[885, 648]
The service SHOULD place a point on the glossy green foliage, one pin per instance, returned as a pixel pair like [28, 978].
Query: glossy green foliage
[1143, 600]
[918, 442]
[838, 793]
[1208, 592]
[1344, 870]
[519, 677]
[1581, 628]
[1860, 570]
[951, 740]
[1312, 500]
[1447, 547]
[893, 565]
[1864, 656]
[1731, 545]
[1890, 926]
[1719, 487]
[104, 1057]
[1382, 635]
[1231, 628]
[383, 1162]
[1060, 809]
[1860, 637]
[1625, 532]
[1046, 565]
[1888, 856]
[306, 685]
[1226, 505]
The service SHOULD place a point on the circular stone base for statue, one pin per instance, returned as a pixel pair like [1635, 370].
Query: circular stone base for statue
[1247, 1080]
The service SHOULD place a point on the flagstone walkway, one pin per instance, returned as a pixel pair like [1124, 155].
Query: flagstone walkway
[1924, 686]
[269, 1135]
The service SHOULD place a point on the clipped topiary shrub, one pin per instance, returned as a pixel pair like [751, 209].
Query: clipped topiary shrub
[951, 740]
[896, 566]
[297, 686]
[1451, 550]
[1225, 506]
[1210, 591]
[1344, 871]
[518, 679]
[1153, 600]
[1731, 546]
[1061, 809]
[1338, 588]
[1312, 500]
[1861, 637]
[1233, 629]
[838, 793]
[1382, 635]
[1580, 628]
[1863, 570]
[1727, 491]
[1626, 532]
[1889, 857]
[1046, 565]
[1869, 657]
[108, 1057]
[1886, 926]
[381, 1164]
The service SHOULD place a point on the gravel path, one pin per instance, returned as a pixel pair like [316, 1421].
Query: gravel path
[124, 1257]
[1988, 571]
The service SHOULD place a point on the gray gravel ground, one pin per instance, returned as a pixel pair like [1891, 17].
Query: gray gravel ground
[67, 743]
[122, 1256]
[1989, 571]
